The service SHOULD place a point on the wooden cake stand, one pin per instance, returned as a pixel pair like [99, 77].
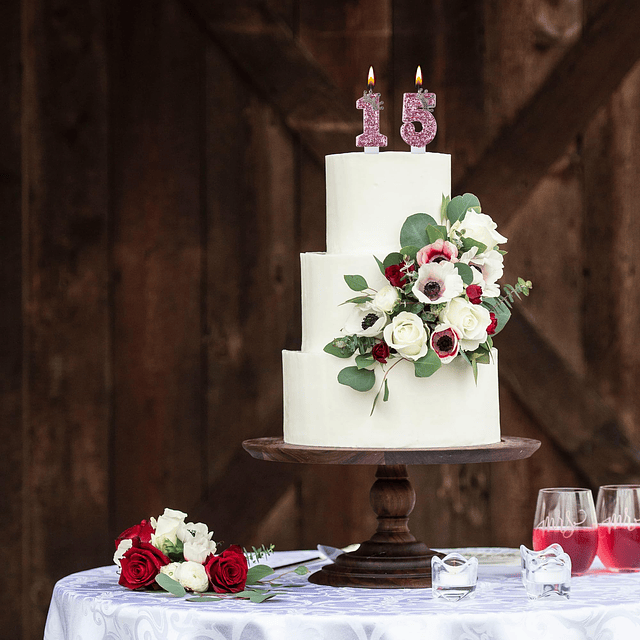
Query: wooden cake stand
[392, 557]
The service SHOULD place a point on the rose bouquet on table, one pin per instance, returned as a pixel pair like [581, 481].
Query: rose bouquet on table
[180, 556]
[442, 300]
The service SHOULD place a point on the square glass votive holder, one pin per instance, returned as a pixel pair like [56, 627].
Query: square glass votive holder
[546, 573]
[453, 577]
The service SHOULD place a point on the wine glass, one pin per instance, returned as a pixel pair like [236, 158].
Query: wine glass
[566, 515]
[618, 510]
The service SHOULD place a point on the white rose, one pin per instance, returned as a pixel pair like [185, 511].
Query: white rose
[170, 569]
[469, 320]
[198, 544]
[365, 320]
[479, 227]
[386, 298]
[169, 527]
[437, 282]
[192, 576]
[407, 335]
[124, 546]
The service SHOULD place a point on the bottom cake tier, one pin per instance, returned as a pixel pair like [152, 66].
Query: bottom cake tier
[447, 409]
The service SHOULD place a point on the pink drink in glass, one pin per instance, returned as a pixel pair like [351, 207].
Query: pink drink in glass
[619, 546]
[581, 543]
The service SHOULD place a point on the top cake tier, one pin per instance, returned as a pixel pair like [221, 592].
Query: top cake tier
[369, 196]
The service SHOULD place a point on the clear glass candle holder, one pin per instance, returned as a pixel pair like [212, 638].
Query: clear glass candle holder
[454, 577]
[546, 573]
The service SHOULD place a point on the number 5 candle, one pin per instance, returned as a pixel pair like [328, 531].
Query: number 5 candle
[371, 138]
[417, 107]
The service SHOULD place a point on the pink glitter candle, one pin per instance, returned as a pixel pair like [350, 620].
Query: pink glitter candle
[371, 138]
[417, 107]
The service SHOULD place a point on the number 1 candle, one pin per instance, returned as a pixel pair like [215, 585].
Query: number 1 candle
[371, 138]
[417, 107]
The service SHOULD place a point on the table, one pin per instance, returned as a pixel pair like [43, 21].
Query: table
[91, 606]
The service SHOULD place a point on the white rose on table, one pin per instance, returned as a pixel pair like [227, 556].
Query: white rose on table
[386, 298]
[469, 320]
[169, 527]
[192, 576]
[407, 335]
[365, 320]
[124, 546]
[479, 227]
[198, 545]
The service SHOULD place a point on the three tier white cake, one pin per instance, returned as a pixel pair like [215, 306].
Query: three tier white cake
[369, 196]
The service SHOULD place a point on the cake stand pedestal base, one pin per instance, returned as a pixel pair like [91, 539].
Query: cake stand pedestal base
[392, 558]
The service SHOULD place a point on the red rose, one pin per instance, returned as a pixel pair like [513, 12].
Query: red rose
[394, 275]
[380, 352]
[228, 571]
[491, 329]
[141, 564]
[142, 531]
[474, 293]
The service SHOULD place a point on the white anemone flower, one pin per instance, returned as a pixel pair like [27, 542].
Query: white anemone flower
[365, 320]
[437, 282]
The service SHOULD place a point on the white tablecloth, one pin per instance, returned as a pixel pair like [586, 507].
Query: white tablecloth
[92, 606]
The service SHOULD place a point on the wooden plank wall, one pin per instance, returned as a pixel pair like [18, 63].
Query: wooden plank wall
[154, 205]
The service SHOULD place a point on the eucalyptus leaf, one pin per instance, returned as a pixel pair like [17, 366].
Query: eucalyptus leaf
[380, 265]
[364, 361]
[386, 391]
[257, 572]
[458, 207]
[261, 597]
[474, 368]
[301, 570]
[356, 282]
[204, 599]
[410, 251]
[483, 358]
[357, 300]
[465, 272]
[414, 230]
[392, 258]
[469, 243]
[436, 233]
[443, 207]
[427, 365]
[358, 379]
[340, 348]
[500, 310]
[170, 585]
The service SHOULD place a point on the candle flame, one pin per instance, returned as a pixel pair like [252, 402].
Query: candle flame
[371, 79]
[418, 78]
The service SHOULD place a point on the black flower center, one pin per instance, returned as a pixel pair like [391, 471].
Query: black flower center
[445, 343]
[369, 320]
[431, 289]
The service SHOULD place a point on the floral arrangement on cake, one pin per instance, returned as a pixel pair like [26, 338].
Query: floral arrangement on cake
[178, 556]
[442, 301]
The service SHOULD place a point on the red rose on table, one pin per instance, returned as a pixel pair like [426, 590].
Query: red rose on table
[141, 564]
[380, 352]
[228, 571]
[142, 531]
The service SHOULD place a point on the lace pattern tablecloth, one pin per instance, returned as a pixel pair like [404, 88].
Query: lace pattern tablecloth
[92, 606]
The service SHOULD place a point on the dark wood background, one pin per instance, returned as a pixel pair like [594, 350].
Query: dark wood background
[161, 168]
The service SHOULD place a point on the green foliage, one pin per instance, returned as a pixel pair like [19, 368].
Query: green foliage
[386, 391]
[364, 360]
[458, 207]
[357, 300]
[410, 251]
[427, 365]
[391, 259]
[173, 551]
[436, 233]
[170, 585]
[355, 282]
[358, 379]
[414, 230]
[501, 311]
[522, 287]
[257, 554]
[465, 272]
[342, 347]
[469, 243]
[301, 571]
[443, 207]
[257, 572]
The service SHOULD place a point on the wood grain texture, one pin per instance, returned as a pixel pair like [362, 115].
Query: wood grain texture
[158, 123]
[65, 173]
[276, 450]
[11, 318]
